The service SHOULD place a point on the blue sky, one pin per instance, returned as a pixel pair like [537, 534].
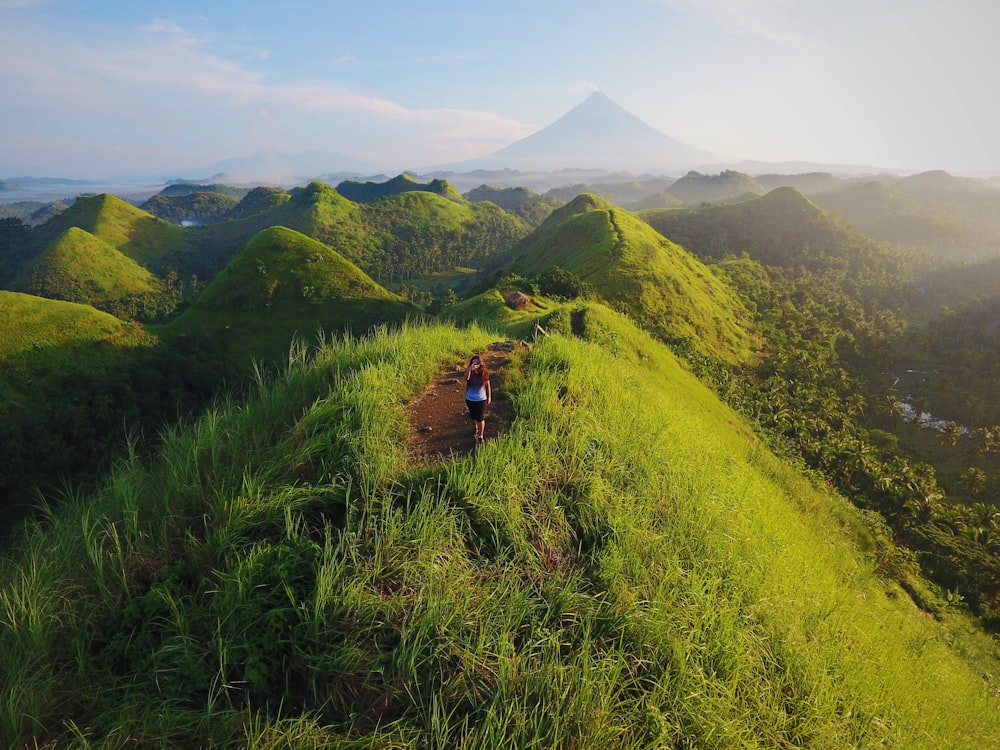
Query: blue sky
[94, 88]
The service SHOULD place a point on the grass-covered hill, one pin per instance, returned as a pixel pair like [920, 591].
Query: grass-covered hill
[521, 201]
[626, 567]
[257, 201]
[695, 187]
[368, 192]
[105, 252]
[130, 230]
[316, 210]
[179, 188]
[80, 267]
[633, 268]
[282, 283]
[196, 208]
[933, 212]
[782, 228]
[62, 394]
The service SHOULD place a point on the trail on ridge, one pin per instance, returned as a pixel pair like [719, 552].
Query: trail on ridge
[439, 422]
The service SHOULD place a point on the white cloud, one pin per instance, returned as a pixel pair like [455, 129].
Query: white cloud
[166, 74]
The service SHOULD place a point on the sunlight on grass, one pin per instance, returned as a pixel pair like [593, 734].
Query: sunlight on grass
[625, 567]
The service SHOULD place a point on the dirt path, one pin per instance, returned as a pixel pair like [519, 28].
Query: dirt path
[440, 427]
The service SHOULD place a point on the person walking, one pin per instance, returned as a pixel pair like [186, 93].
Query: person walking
[478, 394]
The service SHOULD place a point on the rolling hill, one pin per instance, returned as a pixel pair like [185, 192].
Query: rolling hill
[695, 187]
[81, 267]
[135, 233]
[368, 192]
[782, 228]
[636, 269]
[282, 284]
[935, 212]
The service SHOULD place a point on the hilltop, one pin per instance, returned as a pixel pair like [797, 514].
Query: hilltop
[636, 269]
[135, 233]
[282, 283]
[695, 187]
[782, 228]
[368, 192]
[80, 267]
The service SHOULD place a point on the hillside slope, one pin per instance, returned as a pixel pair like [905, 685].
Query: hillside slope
[130, 230]
[633, 268]
[279, 285]
[80, 267]
[63, 384]
[627, 567]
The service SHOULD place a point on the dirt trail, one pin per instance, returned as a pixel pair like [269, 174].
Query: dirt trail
[440, 427]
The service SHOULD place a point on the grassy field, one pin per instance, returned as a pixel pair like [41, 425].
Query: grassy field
[626, 567]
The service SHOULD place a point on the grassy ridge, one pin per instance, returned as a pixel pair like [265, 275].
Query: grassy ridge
[635, 269]
[627, 567]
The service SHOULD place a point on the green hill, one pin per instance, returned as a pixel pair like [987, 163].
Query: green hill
[191, 208]
[695, 187]
[63, 391]
[130, 230]
[420, 232]
[257, 201]
[782, 228]
[521, 201]
[368, 192]
[627, 567]
[282, 284]
[933, 212]
[30, 324]
[182, 188]
[633, 268]
[80, 267]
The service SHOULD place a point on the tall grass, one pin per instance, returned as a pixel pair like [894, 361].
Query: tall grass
[626, 567]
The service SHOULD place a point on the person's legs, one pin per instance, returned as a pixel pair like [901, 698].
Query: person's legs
[476, 409]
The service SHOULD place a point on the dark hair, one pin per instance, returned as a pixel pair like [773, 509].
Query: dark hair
[483, 369]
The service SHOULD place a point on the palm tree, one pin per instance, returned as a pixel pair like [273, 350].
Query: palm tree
[950, 434]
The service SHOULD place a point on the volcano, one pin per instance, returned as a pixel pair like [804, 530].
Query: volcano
[597, 134]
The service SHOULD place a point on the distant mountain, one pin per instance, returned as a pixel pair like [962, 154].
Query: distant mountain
[806, 183]
[781, 228]
[597, 134]
[950, 216]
